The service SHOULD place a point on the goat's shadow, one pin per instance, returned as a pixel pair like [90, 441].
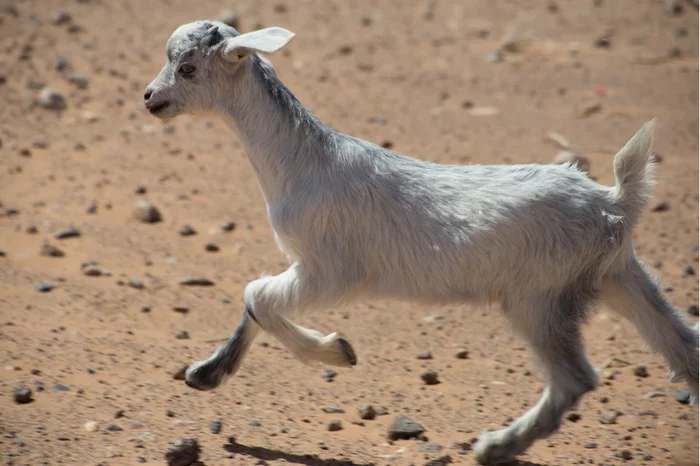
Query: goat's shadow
[268, 454]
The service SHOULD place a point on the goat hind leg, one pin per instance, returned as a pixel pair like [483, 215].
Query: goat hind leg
[556, 342]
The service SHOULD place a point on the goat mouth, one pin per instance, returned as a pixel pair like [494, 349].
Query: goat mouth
[156, 108]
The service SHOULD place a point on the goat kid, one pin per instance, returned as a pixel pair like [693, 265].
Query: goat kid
[544, 241]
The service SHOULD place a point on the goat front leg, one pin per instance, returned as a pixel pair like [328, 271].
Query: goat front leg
[266, 301]
[269, 299]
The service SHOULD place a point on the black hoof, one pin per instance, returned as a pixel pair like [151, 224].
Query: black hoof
[349, 352]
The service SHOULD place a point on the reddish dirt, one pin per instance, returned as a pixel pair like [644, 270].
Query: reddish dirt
[380, 70]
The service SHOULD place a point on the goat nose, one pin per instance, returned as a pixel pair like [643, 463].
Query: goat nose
[148, 94]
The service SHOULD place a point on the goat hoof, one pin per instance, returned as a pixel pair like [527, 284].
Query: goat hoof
[348, 351]
[201, 376]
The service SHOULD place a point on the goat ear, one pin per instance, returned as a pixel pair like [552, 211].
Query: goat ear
[263, 41]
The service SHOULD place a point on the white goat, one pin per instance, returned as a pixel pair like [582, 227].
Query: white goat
[544, 241]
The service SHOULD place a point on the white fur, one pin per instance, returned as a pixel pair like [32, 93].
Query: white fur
[543, 241]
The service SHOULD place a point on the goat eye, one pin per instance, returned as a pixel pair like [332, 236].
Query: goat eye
[187, 69]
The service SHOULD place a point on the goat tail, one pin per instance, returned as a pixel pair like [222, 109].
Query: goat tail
[633, 177]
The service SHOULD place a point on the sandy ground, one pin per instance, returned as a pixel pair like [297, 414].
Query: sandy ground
[418, 75]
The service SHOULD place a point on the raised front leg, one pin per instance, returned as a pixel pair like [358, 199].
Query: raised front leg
[267, 301]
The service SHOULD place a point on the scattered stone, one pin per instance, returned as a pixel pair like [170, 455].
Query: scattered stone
[60, 18]
[96, 271]
[573, 417]
[693, 310]
[641, 371]
[689, 270]
[625, 454]
[387, 144]
[425, 355]
[170, 413]
[147, 436]
[573, 157]
[31, 230]
[215, 427]
[92, 208]
[79, 80]
[590, 446]
[60, 388]
[329, 374]
[616, 362]
[429, 447]
[211, 247]
[333, 410]
[70, 232]
[651, 395]
[61, 64]
[119, 414]
[683, 397]
[48, 250]
[141, 189]
[227, 226]
[404, 428]
[442, 461]
[184, 453]
[147, 212]
[496, 56]
[180, 373]
[609, 417]
[430, 377]
[113, 428]
[52, 99]
[181, 309]
[195, 281]
[662, 206]
[90, 426]
[254, 424]
[187, 230]
[183, 335]
[335, 426]
[43, 287]
[230, 18]
[23, 395]
[587, 109]
[135, 283]
[366, 412]
[462, 354]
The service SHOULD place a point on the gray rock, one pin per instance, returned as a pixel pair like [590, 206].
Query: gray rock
[135, 283]
[404, 428]
[48, 250]
[62, 64]
[430, 377]
[60, 388]
[70, 232]
[329, 374]
[429, 447]
[641, 371]
[609, 417]
[335, 426]
[366, 412]
[60, 18]
[442, 461]
[215, 427]
[254, 424]
[52, 99]
[184, 453]
[333, 410]
[425, 355]
[183, 335]
[96, 271]
[187, 230]
[113, 428]
[495, 57]
[79, 80]
[590, 446]
[147, 212]
[683, 397]
[227, 226]
[43, 287]
[23, 394]
[195, 281]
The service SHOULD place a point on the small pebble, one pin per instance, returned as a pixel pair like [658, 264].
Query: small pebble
[90, 426]
[184, 453]
[430, 377]
[332, 410]
[195, 281]
[60, 388]
[183, 335]
[573, 417]
[60, 18]
[211, 247]
[329, 374]
[366, 412]
[79, 80]
[48, 250]
[462, 354]
[335, 426]
[70, 232]
[227, 226]
[52, 99]
[135, 283]
[187, 230]
[661, 207]
[404, 428]
[215, 427]
[147, 213]
[23, 394]
[425, 355]
[496, 56]
[43, 287]
[683, 397]
[641, 371]
[609, 417]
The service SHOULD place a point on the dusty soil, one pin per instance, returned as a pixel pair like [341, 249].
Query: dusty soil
[419, 76]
